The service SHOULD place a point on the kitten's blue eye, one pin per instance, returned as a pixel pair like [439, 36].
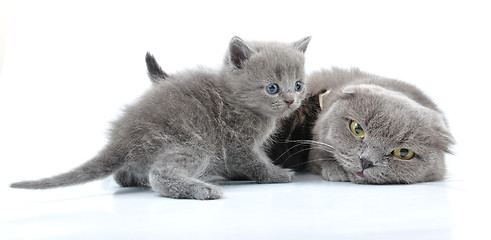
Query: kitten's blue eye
[273, 88]
[298, 86]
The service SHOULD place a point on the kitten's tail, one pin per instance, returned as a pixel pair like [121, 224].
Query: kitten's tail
[103, 165]
[155, 72]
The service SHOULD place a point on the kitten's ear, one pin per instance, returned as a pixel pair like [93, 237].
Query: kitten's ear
[301, 45]
[239, 51]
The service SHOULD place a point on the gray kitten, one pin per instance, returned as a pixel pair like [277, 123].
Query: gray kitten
[285, 149]
[202, 124]
[375, 130]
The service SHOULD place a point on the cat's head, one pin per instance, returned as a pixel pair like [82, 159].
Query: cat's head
[267, 76]
[381, 136]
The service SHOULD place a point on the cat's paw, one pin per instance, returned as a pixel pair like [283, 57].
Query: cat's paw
[189, 189]
[199, 191]
[332, 172]
[277, 175]
[205, 192]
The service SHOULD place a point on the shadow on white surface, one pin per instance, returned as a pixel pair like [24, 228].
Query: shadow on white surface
[309, 208]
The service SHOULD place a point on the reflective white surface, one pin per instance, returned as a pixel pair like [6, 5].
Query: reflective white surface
[70, 66]
[309, 208]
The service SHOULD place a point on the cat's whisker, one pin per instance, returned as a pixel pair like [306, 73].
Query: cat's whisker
[308, 142]
[300, 151]
[323, 147]
[314, 160]
[286, 151]
[303, 150]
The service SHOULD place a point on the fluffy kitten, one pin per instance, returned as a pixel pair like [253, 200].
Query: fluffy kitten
[202, 124]
[286, 150]
[375, 130]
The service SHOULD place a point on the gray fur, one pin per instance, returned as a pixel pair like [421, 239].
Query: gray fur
[201, 124]
[393, 115]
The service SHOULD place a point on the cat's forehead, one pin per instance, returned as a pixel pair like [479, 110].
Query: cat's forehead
[383, 111]
[375, 91]
[274, 55]
[376, 99]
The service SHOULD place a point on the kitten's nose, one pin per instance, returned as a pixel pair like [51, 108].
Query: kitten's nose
[289, 102]
[365, 163]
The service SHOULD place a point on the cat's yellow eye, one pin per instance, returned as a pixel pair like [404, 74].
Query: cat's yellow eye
[403, 153]
[356, 129]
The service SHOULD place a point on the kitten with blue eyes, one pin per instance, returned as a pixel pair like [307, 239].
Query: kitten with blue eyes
[285, 150]
[374, 130]
[201, 125]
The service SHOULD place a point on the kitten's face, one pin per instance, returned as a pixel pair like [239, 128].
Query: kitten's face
[270, 77]
[380, 136]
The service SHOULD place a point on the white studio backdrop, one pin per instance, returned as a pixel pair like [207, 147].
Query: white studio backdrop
[69, 67]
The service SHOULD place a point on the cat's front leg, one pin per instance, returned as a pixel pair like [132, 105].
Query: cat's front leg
[257, 166]
[332, 171]
[175, 175]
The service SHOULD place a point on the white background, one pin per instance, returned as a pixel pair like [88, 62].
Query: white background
[70, 66]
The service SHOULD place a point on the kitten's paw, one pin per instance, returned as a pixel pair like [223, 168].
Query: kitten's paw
[201, 191]
[331, 171]
[277, 175]
[190, 189]
[206, 192]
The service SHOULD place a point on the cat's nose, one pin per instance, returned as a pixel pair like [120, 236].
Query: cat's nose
[365, 163]
[289, 102]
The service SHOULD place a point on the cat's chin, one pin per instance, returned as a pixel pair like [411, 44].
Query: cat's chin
[286, 112]
[365, 178]
[359, 178]
[281, 113]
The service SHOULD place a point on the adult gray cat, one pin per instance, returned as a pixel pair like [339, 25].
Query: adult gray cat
[375, 130]
[202, 124]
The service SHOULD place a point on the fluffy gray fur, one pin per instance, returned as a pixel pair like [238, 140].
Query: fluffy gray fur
[393, 115]
[200, 125]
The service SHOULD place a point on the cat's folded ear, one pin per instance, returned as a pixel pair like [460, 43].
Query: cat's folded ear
[444, 139]
[239, 51]
[349, 91]
[301, 45]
